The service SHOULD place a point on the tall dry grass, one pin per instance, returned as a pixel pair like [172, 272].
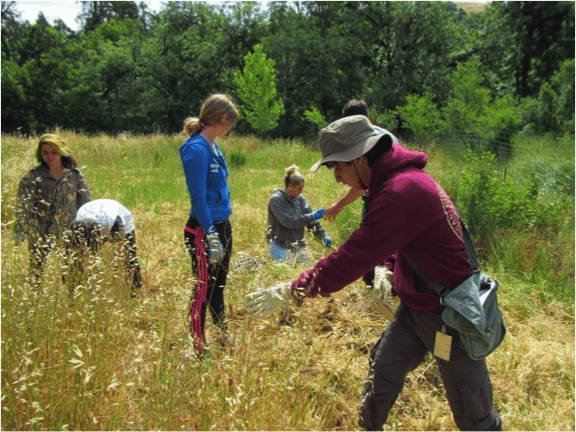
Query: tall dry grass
[109, 362]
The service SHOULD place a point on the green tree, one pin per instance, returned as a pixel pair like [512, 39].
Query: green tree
[17, 110]
[422, 115]
[410, 46]
[326, 70]
[470, 98]
[314, 116]
[32, 74]
[542, 36]
[102, 89]
[484, 123]
[11, 29]
[298, 70]
[95, 13]
[553, 110]
[256, 88]
[184, 59]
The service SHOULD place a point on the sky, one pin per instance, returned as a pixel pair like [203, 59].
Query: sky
[67, 11]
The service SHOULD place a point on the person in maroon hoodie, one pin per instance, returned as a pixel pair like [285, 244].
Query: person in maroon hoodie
[410, 216]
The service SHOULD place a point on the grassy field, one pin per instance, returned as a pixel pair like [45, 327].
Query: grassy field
[110, 362]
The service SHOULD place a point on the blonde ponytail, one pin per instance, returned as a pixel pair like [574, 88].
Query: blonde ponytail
[213, 109]
[192, 126]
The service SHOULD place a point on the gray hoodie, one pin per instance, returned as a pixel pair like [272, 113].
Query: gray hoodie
[287, 217]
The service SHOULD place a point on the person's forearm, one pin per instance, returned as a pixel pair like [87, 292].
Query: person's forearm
[351, 196]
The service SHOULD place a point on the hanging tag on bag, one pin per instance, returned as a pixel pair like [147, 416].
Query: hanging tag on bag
[442, 344]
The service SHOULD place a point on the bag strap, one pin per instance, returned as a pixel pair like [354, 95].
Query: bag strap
[470, 250]
[440, 289]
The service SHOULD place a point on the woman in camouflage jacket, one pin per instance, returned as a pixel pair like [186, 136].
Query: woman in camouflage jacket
[48, 198]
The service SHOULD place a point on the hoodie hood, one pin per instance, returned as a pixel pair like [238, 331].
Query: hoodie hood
[282, 192]
[396, 159]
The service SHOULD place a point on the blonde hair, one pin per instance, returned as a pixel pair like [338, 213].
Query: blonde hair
[293, 176]
[212, 111]
[57, 144]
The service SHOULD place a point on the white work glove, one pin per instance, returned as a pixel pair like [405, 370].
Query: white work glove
[215, 249]
[263, 302]
[383, 283]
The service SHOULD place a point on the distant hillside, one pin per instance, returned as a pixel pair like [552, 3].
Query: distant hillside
[473, 6]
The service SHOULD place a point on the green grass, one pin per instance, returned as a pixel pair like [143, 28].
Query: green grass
[112, 363]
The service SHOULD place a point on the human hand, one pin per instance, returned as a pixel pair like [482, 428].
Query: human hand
[264, 301]
[319, 214]
[331, 213]
[215, 249]
[383, 283]
[327, 241]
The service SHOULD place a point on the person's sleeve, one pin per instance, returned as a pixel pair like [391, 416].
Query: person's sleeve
[390, 262]
[196, 172]
[83, 192]
[24, 210]
[284, 214]
[315, 226]
[380, 235]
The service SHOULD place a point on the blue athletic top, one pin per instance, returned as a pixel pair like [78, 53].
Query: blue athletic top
[207, 179]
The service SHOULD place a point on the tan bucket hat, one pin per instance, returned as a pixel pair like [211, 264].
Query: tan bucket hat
[346, 139]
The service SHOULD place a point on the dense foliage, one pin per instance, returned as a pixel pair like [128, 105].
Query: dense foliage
[128, 69]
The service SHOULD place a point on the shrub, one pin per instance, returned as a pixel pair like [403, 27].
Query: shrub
[314, 116]
[388, 119]
[421, 114]
[500, 124]
[237, 158]
[520, 215]
[487, 199]
[553, 110]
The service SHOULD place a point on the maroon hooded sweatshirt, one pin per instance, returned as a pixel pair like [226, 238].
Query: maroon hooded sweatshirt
[409, 216]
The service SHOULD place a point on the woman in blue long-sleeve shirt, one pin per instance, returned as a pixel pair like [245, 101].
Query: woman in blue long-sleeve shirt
[208, 233]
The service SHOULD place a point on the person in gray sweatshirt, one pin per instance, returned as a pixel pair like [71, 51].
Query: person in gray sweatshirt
[288, 214]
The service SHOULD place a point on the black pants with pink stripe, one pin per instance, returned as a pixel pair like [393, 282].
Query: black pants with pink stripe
[210, 279]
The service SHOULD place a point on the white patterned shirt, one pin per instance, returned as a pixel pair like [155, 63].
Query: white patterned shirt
[105, 212]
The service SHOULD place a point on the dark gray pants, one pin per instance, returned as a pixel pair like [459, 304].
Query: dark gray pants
[401, 348]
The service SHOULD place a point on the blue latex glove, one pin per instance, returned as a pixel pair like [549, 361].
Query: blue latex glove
[319, 214]
[328, 241]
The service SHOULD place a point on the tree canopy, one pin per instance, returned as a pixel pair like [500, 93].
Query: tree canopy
[128, 69]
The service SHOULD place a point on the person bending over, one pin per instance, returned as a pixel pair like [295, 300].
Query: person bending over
[98, 222]
[411, 216]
